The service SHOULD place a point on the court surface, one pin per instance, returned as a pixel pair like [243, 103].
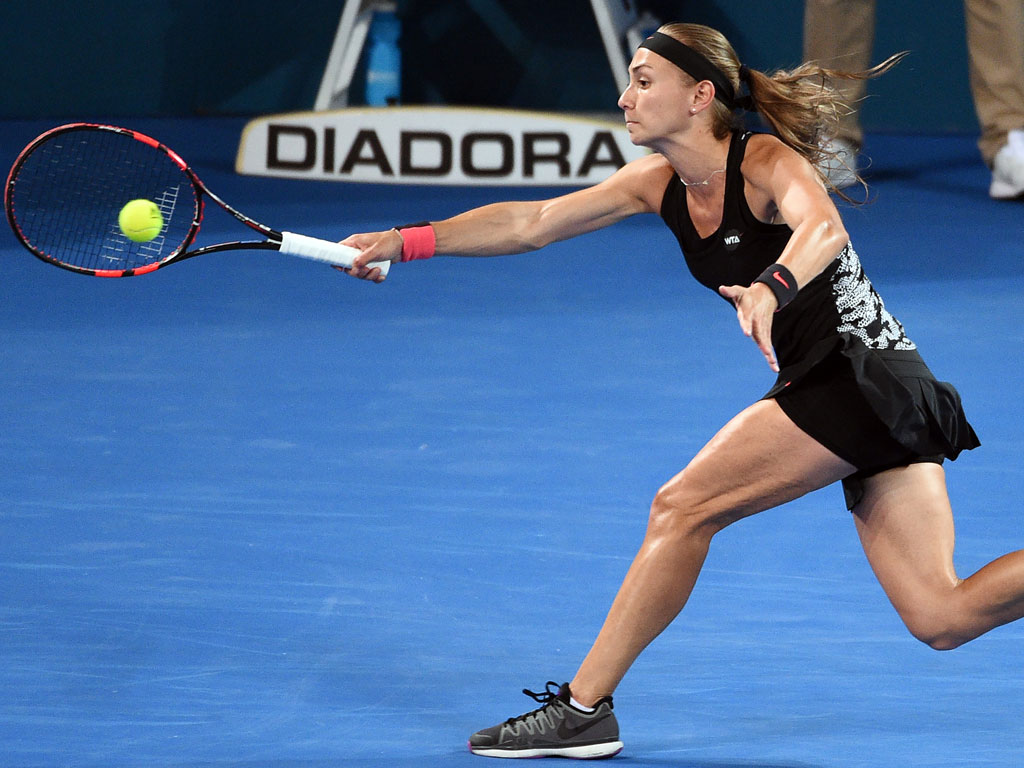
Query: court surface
[255, 514]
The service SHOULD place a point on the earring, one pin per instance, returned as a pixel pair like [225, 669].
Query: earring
[693, 110]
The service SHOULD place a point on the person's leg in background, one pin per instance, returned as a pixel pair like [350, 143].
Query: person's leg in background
[995, 51]
[840, 34]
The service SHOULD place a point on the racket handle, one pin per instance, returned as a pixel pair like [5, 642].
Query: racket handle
[324, 250]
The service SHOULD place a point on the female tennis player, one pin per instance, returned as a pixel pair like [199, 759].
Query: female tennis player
[854, 401]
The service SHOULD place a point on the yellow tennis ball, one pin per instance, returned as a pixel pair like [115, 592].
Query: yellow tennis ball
[140, 220]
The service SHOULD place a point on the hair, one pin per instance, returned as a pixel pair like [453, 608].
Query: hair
[800, 105]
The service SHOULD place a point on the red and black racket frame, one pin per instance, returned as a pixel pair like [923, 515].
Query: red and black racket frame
[178, 254]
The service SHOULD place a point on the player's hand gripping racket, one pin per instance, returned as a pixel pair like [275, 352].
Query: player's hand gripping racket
[67, 187]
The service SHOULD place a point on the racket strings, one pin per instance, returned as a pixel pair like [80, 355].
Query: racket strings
[68, 192]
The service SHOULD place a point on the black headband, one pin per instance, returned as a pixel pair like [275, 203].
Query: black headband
[695, 64]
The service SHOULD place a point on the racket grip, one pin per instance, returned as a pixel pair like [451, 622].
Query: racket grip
[324, 250]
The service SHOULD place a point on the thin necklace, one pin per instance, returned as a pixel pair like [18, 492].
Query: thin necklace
[700, 183]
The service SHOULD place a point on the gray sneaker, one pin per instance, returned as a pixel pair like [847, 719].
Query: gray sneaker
[556, 729]
[839, 164]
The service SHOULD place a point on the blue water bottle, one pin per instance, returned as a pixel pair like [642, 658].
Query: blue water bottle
[384, 64]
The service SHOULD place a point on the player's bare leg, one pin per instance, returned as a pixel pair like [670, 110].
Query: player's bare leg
[759, 460]
[906, 527]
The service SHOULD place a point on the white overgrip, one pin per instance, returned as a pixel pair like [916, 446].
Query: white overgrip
[324, 250]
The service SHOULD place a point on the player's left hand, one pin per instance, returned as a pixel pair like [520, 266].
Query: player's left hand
[755, 308]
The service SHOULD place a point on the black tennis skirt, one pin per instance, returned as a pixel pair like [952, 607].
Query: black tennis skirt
[876, 409]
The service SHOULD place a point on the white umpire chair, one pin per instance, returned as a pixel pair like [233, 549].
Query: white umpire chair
[621, 24]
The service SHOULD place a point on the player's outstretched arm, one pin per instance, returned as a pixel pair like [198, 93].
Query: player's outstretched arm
[521, 226]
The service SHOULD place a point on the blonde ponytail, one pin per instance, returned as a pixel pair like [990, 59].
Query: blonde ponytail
[800, 105]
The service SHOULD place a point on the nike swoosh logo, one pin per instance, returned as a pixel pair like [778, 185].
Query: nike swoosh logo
[566, 732]
[778, 276]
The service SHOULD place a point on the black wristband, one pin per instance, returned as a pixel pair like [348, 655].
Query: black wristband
[781, 282]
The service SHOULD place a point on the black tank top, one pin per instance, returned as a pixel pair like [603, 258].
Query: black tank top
[839, 300]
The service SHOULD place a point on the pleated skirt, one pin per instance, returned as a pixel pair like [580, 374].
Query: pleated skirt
[876, 409]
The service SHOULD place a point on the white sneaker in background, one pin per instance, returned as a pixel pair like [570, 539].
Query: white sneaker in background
[1008, 169]
[840, 166]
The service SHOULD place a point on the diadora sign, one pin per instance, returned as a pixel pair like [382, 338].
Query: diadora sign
[408, 145]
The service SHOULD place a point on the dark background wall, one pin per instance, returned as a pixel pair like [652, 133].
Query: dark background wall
[86, 58]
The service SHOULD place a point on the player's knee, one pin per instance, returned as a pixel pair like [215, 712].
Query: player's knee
[938, 629]
[682, 509]
[941, 640]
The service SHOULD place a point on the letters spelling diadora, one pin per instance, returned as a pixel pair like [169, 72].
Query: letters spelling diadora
[535, 148]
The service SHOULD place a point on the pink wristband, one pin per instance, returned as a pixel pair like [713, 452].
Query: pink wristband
[417, 243]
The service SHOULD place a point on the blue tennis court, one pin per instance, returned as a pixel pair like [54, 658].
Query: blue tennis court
[256, 514]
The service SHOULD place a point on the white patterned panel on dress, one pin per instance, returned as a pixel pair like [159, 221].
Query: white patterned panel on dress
[861, 310]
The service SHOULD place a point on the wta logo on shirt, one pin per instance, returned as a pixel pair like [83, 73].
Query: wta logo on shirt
[731, 239]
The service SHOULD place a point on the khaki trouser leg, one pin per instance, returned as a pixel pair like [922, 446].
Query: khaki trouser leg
[840, 34]
[995, 50]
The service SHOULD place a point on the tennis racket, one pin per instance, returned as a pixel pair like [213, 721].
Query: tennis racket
[66, 188]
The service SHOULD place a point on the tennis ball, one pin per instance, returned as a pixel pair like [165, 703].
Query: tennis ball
[140, 220]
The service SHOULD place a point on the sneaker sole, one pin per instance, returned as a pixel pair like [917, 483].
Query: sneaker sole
[583, 752]
[842, 180]
[1003, 190]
